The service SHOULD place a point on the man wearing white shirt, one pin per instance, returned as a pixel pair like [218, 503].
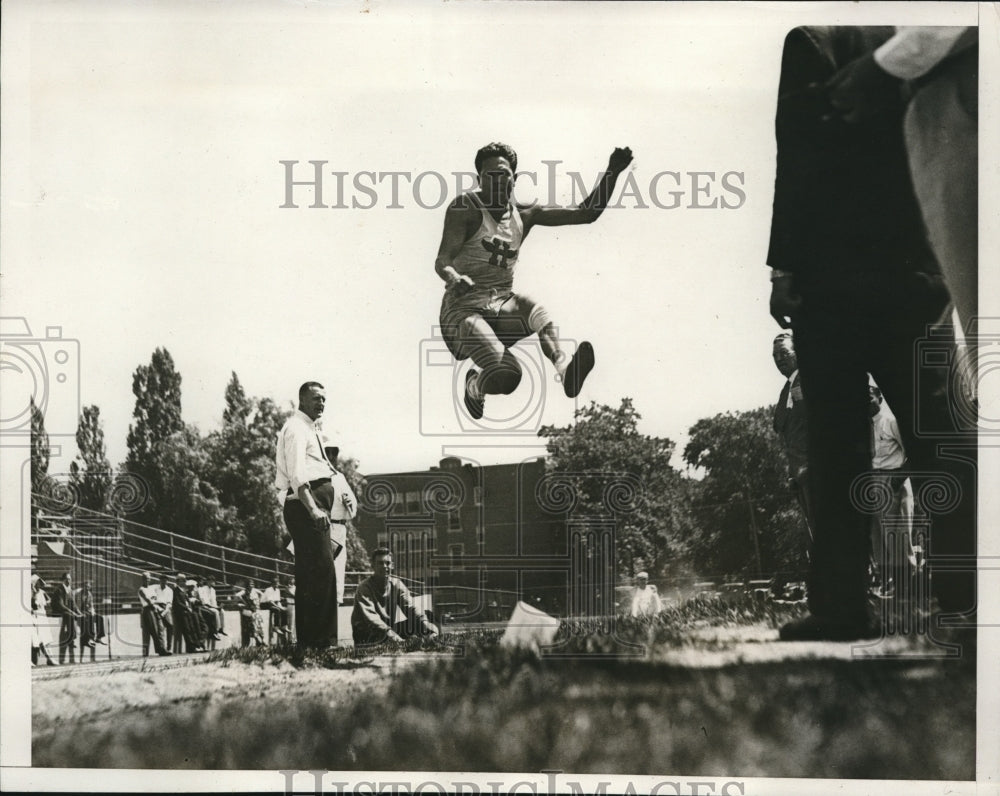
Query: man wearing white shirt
[304, 482]
[645, 598]
[892, 528]
[209, 607]
[791, 422]
[163, 599]
[272, 601]
[345, 508]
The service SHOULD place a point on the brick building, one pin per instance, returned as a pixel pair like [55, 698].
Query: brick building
[483, 537]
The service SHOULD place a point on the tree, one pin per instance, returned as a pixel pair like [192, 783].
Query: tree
[190, 504]
[90, 474]
[241, 466]
[605, 443]
[238, 407]
[747, 521]
[39, 460]
[157, 413]
[357, 555]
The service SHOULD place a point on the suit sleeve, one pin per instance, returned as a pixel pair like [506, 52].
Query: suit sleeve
[802, 102]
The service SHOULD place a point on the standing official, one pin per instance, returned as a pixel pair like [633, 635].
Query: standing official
[304, 482]
[64, 605]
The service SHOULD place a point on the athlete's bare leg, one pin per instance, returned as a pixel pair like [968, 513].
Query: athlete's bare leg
[571, 372]
[499, 372]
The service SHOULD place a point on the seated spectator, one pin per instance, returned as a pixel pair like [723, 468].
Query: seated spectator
[251, 622]
[187, 623]
[39, 606]
[376, 603]
[272, 601]
[645, 597]
[214, 616]
[206, 621]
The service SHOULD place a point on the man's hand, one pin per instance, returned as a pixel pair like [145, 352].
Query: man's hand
[619, 160]
[862, 89]
[321, 521]
[432, 630]
[348, 503]
[785, 302]
[460, 285]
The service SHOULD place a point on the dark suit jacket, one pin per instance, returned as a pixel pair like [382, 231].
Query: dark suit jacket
[63, 601]
[792, 425]
[844, 206]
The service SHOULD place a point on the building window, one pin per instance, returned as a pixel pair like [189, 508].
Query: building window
[477, 495]
[397, 504]
[413, 502]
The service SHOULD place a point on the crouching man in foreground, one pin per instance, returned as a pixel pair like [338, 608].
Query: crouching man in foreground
[375, 607]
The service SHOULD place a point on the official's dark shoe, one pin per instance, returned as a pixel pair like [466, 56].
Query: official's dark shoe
[813, 628]
[581, 365]
[474, 406]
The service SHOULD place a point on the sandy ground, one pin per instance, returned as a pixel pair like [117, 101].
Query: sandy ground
[99, 690]
[92, 692]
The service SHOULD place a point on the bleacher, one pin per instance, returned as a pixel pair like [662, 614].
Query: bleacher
[113, 553]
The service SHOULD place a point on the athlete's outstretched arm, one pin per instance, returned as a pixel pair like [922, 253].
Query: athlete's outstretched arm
[590, 209]
[455, 234]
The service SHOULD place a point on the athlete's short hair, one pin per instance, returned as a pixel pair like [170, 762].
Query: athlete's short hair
[308, 386]
[496, 149]
[378, 552]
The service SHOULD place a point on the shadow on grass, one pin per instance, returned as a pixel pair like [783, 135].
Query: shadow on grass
[472, 705]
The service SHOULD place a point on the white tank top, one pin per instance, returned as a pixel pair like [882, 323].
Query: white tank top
[490, 256]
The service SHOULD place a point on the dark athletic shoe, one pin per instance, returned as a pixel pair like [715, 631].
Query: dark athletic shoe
[581, 364]
[474, 406]
[812, 628]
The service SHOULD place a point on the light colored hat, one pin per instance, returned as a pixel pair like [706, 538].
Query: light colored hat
[642, 574]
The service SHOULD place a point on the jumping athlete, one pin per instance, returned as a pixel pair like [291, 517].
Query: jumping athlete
[481, 315]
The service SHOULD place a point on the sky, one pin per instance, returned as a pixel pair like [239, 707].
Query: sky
[144, 208]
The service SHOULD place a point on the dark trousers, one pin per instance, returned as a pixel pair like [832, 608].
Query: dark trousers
[152, 629]
[91, 629]
[315, 575]
[189, 625]
[879, 324]
[67, 638]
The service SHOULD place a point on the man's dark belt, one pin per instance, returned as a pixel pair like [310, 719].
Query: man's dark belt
[312, 485]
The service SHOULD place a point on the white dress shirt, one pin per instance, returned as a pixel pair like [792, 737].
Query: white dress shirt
[299, 456]
[888, 453]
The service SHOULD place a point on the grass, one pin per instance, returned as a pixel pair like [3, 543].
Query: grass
[472, 705]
